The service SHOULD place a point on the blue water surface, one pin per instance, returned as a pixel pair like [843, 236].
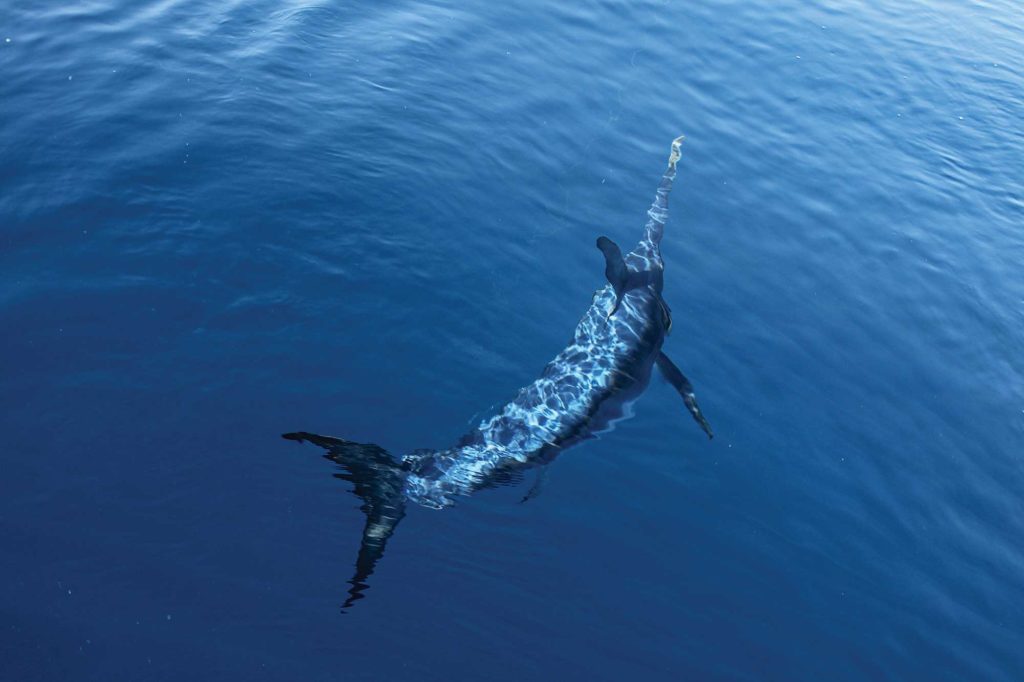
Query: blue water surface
[220, 221]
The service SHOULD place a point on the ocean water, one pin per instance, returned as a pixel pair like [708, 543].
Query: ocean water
[220, 221]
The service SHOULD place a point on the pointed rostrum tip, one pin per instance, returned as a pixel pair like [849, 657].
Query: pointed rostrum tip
[676, 151]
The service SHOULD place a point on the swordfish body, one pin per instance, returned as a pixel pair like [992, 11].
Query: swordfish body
[607, 363]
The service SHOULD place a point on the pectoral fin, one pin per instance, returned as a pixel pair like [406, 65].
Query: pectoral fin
[685, 388]
[538, 485]
[666, 314]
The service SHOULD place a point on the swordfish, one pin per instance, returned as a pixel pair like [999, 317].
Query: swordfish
[606, 365]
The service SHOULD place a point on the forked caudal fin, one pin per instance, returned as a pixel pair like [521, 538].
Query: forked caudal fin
[377, 479]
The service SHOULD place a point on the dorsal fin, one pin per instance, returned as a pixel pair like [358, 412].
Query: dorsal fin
[618, 274]
[614, 269]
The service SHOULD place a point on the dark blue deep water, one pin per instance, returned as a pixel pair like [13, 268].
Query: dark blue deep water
[220, 221]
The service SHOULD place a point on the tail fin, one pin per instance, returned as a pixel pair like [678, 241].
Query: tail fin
[378, 481]
[658, 212]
